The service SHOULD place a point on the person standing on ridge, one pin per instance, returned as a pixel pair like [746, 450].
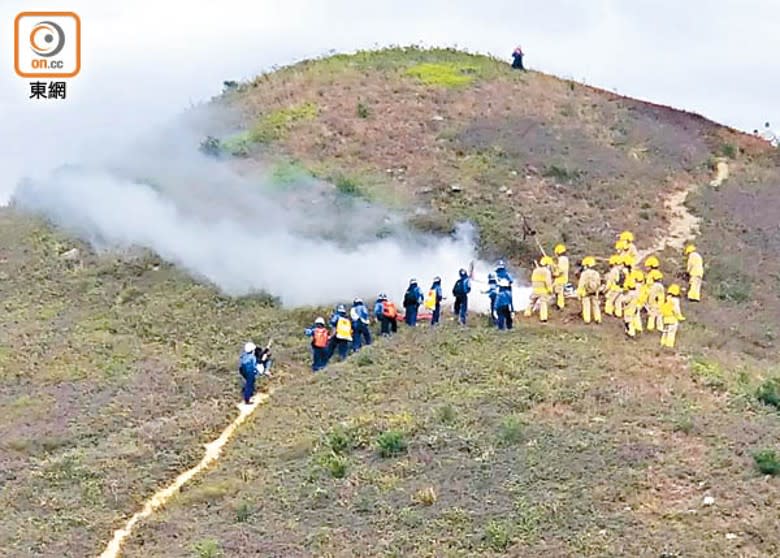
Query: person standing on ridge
[413, 298]
[433, 301]
[249, 369]
[341, 340]
[542, 288]
[588, 290]
[461, 291]
[492, 292]
[320, 340]
[561, 275]
[360, 321]
[504, 307]
[517, 59]
[386, 314]
[695, 270]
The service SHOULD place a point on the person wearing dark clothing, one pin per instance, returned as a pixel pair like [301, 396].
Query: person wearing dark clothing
[413, 298]
[517, 59]
[492, 292]
[461, 292]
[341, 340]
[386, 314]
[319, 344]
[504, 307]
[433, 301]
[249, 368]
[360, 333]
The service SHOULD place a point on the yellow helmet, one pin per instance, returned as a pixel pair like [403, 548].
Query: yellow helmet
[546, 260]
[627, 236]
[628, 260]
[629, 283]
[560, 249]
[652, 262]
[655, 275]
[674, 290]
[690, 248]
[615, 259]
[621, 245]
[588, 261]
[638, 276]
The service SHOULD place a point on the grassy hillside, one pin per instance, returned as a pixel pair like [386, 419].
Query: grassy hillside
[556, 439]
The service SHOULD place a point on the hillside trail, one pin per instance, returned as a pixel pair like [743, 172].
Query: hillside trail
[683, 224]
[213, 451]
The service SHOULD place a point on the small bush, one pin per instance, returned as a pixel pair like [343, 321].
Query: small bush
[337, 466]
[363, 111]
[446, 414]
[510, 431]
[238, 145]
[683, 423]
[767, 462]
[208, 548]
[340, 441]
[497, 536]
[425, 496]
[728, 150]
[243, 512]
[347, 186]
[769, 393]
[562, 174]
[391, 443]
[737, 291]
[445, 75]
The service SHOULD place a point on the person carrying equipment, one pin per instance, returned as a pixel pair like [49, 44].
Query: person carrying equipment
[461, 291]
[656, 296]
[341, 340]
[629, 298]
[433, 300]
[249, 369]
[612, 283]
[386, 314]
[360, 322]
[641, 299]
[320, 341]
[504, 306]
[413, 298]
[695, 270]
[588, 290]
[629, 248]
[672, 316]
[561, 275]
[627, 269]
[492, 292]
[542, 288]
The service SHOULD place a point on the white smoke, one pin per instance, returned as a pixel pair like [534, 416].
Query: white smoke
[235, 229]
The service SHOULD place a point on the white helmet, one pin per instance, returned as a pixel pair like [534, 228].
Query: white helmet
[319, 321]
[249, 347]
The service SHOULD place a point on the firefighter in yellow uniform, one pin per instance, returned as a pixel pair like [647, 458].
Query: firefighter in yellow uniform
[672, 316]
[656, 296]
[627, 269]
[651, 262]
[641, 299]
[628, 299]
[561, 274]
[612, 283]
[542, 288]
[695, 270]
[588, 290]
[629, 248]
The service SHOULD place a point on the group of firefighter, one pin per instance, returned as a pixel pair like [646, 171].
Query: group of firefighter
[633, 290]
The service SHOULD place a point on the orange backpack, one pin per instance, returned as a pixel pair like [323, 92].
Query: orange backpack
[320, 336]
[388, 309]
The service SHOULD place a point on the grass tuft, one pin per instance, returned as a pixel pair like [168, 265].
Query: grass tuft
[510, 431]
[498, 535]
[391, 443]
[767, 462]
[443, 74]
[207, 548]
[769, 393]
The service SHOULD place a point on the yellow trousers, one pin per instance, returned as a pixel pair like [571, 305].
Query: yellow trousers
[609, 302]
[541, 301]
[654, 319]
[619, 300]
[694, 289]
[669, 336]
[591, 304]
[560, 300]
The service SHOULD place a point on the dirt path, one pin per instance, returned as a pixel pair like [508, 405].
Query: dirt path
[159, 498]
[683, 224]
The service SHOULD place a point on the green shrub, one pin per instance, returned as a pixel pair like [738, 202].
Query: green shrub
[769, 393]
[336, 466]
[510, 431]
[391, 443]
[243, 512]
[347, 186]
[445, 75]
[340, 440]
[446, 414]
[562, 174]
[728, 150]
[363, 111]
[767, 462]
[238, 145]
[733, 291]
[207, 548]
[276, 124]
[497, 536]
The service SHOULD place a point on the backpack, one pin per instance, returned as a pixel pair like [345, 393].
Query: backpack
[247, 364]
[320, 337]
[388, 309]
[459, 290]
[410, 298]
[430, 300]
